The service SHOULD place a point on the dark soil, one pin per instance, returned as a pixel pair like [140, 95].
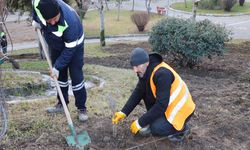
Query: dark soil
[220, 89]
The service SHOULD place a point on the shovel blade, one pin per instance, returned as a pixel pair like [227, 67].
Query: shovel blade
[79, 141]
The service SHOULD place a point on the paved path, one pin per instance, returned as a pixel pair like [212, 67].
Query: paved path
[240, 24]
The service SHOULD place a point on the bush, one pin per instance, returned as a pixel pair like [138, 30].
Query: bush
[241, 2]
[140, 19]
[210, 4]
[228, 4]
[187, 41]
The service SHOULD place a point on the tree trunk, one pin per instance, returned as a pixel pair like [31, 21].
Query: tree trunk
[147, 4]
[133, 5]
[185, 3]
[119, 8]
[194, 9]
[102, 33]
[168, 3]
[83, 6]
[106, 2]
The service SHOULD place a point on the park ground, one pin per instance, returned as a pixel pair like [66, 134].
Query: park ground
[220, 89]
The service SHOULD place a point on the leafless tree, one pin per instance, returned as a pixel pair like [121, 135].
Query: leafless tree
[147, 4]
[100, 7]
[194, 9]
[119, 2]
[133, 5]
[83, 6]
[106, 2]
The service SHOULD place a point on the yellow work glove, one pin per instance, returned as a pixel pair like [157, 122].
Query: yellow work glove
[117, 117]
[135, 127]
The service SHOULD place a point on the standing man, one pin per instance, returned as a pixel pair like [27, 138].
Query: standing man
[168, 101]
[64, 34]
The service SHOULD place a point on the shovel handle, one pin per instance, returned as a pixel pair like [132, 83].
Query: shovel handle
[44, 47]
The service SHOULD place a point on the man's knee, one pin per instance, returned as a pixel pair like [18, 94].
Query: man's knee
[155, 129]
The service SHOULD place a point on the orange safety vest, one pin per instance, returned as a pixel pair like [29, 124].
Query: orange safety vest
[180, 104]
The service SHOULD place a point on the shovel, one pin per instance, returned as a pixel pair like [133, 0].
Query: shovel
[74, 140]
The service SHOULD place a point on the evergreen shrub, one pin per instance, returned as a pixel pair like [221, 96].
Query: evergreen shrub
[187, 41]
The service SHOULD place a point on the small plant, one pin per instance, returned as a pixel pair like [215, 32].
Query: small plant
[140, 19]
[187, 41]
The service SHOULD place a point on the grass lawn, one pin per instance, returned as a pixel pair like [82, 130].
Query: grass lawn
[112, 26]
[236, 9]
[91, 50]
[28, 120]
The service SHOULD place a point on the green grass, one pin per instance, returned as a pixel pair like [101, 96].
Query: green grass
[12, 79]
[29, 121]
[25, 51]
[236, 9]
[90, 50]
[95, 50]
[112, 26]
[37, 65]
[238, 41]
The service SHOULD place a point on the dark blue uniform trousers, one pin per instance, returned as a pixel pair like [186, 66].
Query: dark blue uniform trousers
[76, 75]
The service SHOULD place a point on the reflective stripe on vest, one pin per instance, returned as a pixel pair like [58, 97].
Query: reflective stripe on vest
[36, 2]
[2, 34]
[61, 29]
[180, 104]
[75, 43]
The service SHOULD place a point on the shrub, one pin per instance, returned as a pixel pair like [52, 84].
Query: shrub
[241, 2]
[140, 19]
[228, 4]
[187, 41]
[210, 4]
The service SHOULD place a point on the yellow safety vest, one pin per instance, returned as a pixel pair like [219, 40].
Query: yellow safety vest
[180, 104]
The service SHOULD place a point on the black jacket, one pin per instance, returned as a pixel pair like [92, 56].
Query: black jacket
[156, 108]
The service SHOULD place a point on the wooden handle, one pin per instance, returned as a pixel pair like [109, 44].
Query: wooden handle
[54, 77]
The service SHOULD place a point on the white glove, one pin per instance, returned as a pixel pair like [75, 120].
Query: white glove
[36, 25]
[55, 72]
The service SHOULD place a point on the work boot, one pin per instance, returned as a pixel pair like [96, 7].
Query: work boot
[82, 115]
[58, 108]
[178, 137]
[145, 131]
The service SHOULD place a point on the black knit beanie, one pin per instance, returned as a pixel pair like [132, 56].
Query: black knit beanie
[48, 8]
[138, 56]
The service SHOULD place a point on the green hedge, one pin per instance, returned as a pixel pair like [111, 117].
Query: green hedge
[187, 41]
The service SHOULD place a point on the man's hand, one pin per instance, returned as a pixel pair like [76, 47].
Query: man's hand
[36, 25]
[117, 117]
[54, 72]
[135, 127]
